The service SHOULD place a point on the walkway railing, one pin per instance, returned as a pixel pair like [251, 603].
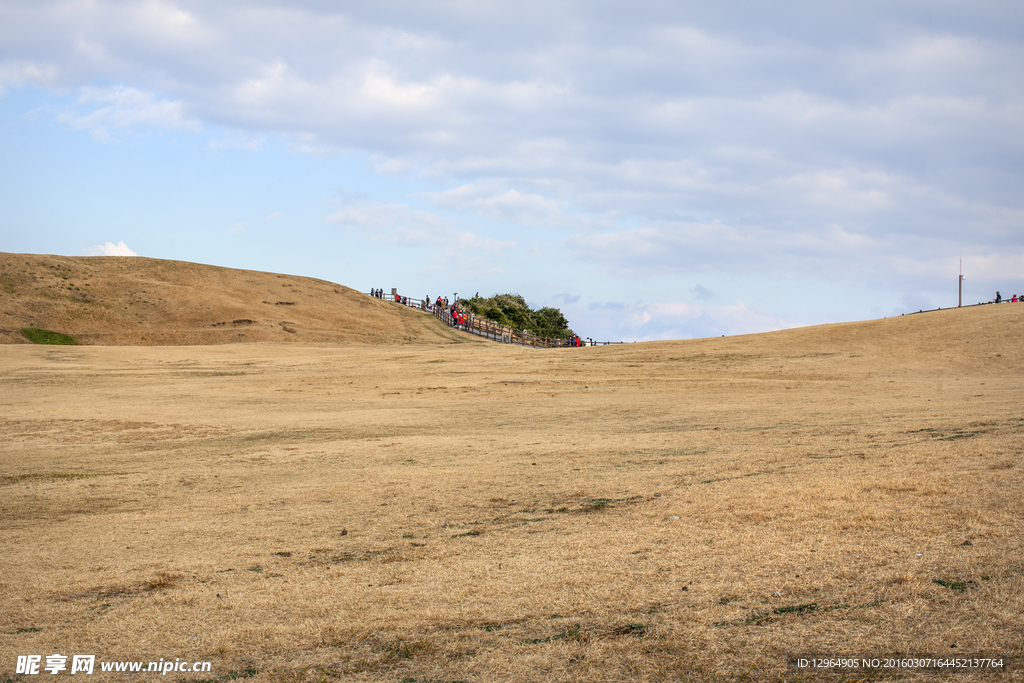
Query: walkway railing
[487, 328]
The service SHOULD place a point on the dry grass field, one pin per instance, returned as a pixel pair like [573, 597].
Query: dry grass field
[691, 510]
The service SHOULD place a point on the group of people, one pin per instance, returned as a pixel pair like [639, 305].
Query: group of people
[1014, 299]
[379, 294]
[443, 302]
[427, 303]
[458, 318]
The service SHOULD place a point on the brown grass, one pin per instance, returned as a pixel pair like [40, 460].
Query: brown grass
[118, 300]
[693, 510]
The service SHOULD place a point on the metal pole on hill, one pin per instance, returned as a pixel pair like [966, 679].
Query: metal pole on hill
[960, 286]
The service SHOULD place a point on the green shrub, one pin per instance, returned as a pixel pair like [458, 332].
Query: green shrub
[513, 311]
[38, 336]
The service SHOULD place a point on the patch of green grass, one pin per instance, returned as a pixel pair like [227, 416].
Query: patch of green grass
[247, 672]
[37, 336]
[595, 504]
[959, 586]
[958, 434]
[18, 478]
[744, 476]
[570, 633]
[758, 617]
[403, 649]
[810, 607]
[343, 557]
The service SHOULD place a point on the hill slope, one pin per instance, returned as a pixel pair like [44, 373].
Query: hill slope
[118, 300]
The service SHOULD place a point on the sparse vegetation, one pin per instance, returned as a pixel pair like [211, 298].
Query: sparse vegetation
[161, 581]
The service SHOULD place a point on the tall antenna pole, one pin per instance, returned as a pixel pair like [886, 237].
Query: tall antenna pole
[960, 286]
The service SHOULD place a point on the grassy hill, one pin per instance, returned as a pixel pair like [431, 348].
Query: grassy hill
[118, 300]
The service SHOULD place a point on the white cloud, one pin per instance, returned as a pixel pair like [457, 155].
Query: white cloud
[701, 293]
[239, 142]
[735, 319]
[102, 111]
[675, 320]
[379, 220]
[400, 224]
[19, 72]
[862, 141]
[491, 202]
[274, 216]
[110, 249]
[999, 266]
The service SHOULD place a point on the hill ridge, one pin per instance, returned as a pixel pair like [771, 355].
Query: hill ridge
[135, 300]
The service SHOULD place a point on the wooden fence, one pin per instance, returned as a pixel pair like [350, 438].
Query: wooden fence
[484, 327]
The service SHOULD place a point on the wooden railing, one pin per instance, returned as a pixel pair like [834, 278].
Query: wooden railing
[485, 327]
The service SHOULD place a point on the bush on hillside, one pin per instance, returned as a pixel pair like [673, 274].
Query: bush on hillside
[37, 336]
[512, 310]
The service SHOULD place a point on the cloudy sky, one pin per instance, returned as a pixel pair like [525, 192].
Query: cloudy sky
[654, 169]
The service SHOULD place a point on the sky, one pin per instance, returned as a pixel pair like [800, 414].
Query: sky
[656, 170]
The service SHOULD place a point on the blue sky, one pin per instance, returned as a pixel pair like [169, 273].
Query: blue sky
[654, 169]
